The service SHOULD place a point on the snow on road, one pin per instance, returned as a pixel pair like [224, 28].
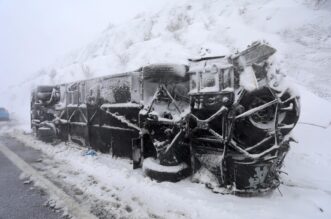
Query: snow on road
[110, 184]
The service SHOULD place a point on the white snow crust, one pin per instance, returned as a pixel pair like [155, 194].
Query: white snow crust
[151, 163]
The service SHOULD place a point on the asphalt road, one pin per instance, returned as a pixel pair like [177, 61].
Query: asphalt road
[19, 200]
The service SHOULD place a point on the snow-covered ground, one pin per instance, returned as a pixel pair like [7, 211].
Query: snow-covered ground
[110, 184]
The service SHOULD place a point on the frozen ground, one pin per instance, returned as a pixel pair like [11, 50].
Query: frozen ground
[109, 184]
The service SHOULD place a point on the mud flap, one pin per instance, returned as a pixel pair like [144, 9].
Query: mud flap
[136, 153]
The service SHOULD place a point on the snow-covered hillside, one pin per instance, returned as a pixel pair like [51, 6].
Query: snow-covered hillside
[299, 29]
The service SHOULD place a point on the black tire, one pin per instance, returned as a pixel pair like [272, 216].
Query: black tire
[253, 129]
[160, 173]
[165, 73]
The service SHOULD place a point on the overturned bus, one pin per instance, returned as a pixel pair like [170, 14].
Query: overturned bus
[225, 117]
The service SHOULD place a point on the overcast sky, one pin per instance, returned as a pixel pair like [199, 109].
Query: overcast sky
[34, 33]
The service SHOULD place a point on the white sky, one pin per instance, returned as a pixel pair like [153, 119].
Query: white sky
[34, 33]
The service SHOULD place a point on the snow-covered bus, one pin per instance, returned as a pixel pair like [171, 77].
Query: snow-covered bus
[225, 117]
